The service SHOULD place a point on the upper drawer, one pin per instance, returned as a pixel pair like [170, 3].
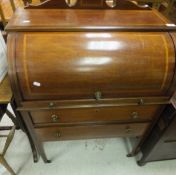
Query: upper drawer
[107, 114]
[76, 65]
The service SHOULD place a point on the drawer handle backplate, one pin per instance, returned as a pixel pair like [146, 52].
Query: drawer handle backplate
[55, 118]
[134, 115]
[98, 95]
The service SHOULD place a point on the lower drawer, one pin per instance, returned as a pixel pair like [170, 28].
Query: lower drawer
[91, 131]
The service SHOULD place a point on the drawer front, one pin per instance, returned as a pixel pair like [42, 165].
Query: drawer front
[91, 131]
[125, 113]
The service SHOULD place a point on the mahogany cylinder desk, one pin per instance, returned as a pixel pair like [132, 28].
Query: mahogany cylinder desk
[80, 74]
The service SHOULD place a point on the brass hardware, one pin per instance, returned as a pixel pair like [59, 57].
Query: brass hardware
[128, 129]
[141, 102]
[51, 104]
[98, 95]
[141, 5]
[134, 115]
[58, 134]
[55, 118]
[111, 3]
[71, 3]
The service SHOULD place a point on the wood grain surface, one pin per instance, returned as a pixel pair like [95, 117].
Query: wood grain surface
[80, 74]
[93, 115]
[5, 91]
[92, 131]
[58, 19]
[77, 65]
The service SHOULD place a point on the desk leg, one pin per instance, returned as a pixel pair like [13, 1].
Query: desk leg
[38, 144]
[34, 151]
[18, 118]
[22, 126]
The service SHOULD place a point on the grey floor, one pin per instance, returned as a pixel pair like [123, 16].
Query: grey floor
[84, 157]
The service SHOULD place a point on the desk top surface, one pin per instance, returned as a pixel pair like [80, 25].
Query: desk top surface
[5, 91]
[64, 20]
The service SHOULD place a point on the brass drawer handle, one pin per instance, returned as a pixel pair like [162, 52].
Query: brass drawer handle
[111, 3]
[134, 115]
[141, 101]
[55, 118]
[51, 104]
[98, 95]
[58, 134]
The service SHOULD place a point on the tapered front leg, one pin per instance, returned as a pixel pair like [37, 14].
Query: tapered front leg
[37, 143]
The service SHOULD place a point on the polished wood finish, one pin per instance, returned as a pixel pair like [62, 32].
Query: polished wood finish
[90, 73]
[88, 132]
[5, 91]
[89, 103]
[87, 20]
[7, 7]
[100, 54]
[94, 115]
